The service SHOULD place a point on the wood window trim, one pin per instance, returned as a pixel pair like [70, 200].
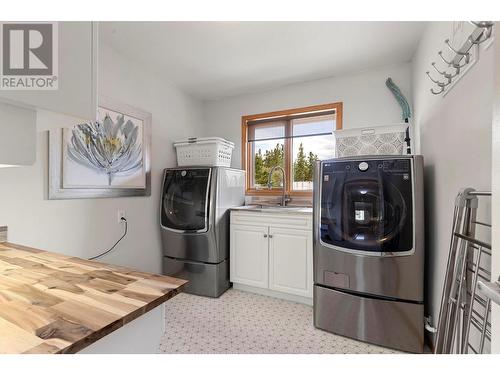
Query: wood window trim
[245, 146]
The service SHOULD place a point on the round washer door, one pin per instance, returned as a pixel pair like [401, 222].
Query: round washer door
[368, 211]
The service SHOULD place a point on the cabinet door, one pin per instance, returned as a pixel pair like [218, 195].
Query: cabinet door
[77, 70]
[249, 258]
[290, 261]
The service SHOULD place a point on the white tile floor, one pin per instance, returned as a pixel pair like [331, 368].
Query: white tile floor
[241, 322]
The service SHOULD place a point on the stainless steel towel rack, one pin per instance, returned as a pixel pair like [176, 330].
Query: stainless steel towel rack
[463, 309]
[462, 57]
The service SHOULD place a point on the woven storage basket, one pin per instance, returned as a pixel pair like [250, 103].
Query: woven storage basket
[379, 140]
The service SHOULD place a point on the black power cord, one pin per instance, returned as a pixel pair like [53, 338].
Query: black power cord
[116, 243]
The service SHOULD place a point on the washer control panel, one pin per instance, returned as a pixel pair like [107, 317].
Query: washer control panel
[368, 166]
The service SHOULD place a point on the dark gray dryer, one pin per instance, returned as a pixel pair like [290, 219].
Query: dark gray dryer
[369, 249]
[194, 218]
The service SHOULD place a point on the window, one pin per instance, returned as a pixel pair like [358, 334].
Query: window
[293, 139]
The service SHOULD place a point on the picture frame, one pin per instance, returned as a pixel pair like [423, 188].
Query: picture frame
[68, 166]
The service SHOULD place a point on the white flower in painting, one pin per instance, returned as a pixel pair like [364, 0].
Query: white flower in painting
[111, 148]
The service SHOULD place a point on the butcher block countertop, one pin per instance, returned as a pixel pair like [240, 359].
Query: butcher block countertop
[53, 303]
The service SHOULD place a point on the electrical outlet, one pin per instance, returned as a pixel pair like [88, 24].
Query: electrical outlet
[121, 213]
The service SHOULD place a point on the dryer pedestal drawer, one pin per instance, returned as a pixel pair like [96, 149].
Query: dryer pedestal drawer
[394, 324]
[210, 280]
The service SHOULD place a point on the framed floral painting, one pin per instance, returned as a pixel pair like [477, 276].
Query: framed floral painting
[110, 157]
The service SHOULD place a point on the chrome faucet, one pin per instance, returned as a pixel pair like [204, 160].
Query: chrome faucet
[284, 196]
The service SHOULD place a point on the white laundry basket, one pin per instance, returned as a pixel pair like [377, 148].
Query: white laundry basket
[212, 151]
[377, 140]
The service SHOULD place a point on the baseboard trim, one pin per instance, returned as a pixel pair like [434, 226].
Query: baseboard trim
[273, 293]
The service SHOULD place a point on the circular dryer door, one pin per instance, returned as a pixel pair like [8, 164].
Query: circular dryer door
[185, 200]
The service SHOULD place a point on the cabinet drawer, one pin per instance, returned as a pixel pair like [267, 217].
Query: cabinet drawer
[291, 221]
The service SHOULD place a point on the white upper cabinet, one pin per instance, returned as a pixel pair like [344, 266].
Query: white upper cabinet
[77, 75]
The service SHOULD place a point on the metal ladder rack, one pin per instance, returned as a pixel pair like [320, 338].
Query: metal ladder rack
[491, 292]
[462, 308]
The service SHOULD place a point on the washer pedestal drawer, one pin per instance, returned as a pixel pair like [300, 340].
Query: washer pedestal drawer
[209, 280]
[394, 324]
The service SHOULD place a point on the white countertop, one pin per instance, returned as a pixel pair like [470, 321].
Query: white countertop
[275, 209]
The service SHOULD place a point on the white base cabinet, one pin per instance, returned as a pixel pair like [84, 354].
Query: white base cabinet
[140, 336]
[272, 252]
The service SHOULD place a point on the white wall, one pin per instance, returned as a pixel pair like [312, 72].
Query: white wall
[495, 262]
[455, 139]
[367, 101]
[89, 226]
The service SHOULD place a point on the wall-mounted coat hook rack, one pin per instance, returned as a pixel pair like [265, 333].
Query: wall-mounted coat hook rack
[487, 27]
[447, 42]
[441, 89]
[440, 53]
[439, 83]
[462, 56]
[484, 37]
[450, 64]
[443, 73]
[457, 72]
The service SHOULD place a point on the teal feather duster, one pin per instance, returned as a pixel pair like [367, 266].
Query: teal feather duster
[400, 98]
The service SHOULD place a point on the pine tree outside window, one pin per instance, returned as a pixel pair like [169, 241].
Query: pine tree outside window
[293, 139]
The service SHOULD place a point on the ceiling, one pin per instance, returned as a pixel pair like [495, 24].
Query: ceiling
[211, 60]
